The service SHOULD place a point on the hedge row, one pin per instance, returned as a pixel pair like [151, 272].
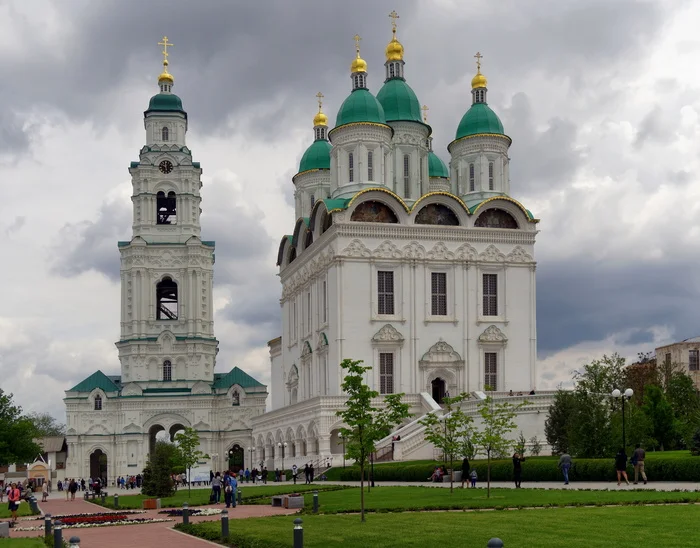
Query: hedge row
[658, 469]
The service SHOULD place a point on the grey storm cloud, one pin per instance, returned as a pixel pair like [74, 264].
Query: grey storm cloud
[587, 301]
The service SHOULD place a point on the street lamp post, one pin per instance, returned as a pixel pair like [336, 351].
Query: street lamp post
[627, 395]
[282, 447]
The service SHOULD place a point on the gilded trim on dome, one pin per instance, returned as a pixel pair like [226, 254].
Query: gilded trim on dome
[441, 193]
[528, 215]
[497, 135]
[379, 189]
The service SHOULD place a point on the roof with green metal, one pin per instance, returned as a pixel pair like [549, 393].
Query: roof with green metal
[436, 167]
[399, 101]
[360, 106]
[235, 376]
[97, 380]
[317, 156]
[479, 119]
[336, 203]
[165, 102]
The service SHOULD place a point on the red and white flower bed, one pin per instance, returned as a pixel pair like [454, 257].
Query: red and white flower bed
[81, 521]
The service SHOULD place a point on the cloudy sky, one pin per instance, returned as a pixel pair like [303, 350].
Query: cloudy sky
[601, 98]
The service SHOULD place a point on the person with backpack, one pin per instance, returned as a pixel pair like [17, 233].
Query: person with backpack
[473, 477]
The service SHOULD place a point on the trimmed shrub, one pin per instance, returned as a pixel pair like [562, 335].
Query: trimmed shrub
[534, 469]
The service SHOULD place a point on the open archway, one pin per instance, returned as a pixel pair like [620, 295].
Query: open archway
[235, 458]
[175, 429]
[98, 464]
[438, 389]
[153, 437]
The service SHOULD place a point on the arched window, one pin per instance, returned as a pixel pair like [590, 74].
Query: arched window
[165, 133]
[471, 177]
[166, 207]
[490, 175]
[406, 175]
[166, 299]
[235, 398]
[370, 166]
[313, 201]
[374, 212]
[98, 403]
[496, 218]
[437, 214]
[167, 370]
[309, 239]
[292, 254]
[351, 167]
[327, 222]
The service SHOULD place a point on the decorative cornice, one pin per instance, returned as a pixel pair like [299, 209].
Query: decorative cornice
[387, 334]
[493, 335]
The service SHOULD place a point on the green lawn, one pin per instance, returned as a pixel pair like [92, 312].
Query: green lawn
[23, 510]
[622, 527]
[199, 497]
[418, 498]
[21, 543]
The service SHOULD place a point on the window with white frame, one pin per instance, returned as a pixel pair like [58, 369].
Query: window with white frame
[490, 175]
[693, 360]
[165, 133]
[167, 370]
[385, 292]
[313, 201]
[407, 175]
[491, 371]
[471, 177]
[438, 289]
[370, 166]
[351, 167]
[98, 403]
[490, 294]
[386, 372]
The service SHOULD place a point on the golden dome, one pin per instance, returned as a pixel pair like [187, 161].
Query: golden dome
[394, 50]
[358, 64]
[320, 119]
[165, 75]
[479, 81]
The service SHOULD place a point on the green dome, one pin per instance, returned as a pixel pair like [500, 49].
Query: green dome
[317, 156]
[165, 102]
[479, 119]
[360, 106]
[399, 101]
[436, 167]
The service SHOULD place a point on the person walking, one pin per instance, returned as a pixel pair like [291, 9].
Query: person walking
[621, 465]
[638, 462]
[518, 459]
[565, 466]
[465, 471]
[216, 487]
[295, 471]
[311, 473]
[228, 489]
[13, 496]
[306, 472]
[44, 491]
[264, 475]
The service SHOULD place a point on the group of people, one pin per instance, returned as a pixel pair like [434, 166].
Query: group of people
[228, 483]
[131, 482]
[637, 461]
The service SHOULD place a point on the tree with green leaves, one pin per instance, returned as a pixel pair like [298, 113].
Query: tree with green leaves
[497, 422]
[47, 426]
[557, 425]
[188, 442]
[590, 430]
[17, 433]
[450, 430]
[157, 475]
[366, 424]
[601, 376]
[660, 413]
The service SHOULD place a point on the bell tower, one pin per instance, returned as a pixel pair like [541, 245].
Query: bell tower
[167, 326]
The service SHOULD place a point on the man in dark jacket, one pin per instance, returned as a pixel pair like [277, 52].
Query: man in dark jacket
[638, 461]
[517, 469]
[565, 466]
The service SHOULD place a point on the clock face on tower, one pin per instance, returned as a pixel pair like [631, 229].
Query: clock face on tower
[166, 166]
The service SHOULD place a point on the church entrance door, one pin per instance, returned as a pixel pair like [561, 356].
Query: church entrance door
[98, 464]
[438, 386]
[235, 458]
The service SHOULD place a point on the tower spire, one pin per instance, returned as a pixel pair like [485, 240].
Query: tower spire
[165, 80]
[358, 68]
[478, 82]
[394, 52]
[320, 120]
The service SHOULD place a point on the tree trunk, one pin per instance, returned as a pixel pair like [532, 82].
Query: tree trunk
[488, 474]
[189, 481]
[362, 491]
[452, 474]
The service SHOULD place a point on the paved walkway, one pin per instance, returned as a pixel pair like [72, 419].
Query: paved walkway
[154, 534]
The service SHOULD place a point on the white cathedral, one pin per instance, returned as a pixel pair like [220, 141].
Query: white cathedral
[425, 273]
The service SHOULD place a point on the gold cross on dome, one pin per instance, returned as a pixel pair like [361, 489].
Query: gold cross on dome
[425, 110]
[394, 16]
[320, 97]
[165, 45]
[357, 44]
[478, 58]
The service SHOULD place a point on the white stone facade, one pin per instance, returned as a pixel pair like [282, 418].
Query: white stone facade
[167, 347]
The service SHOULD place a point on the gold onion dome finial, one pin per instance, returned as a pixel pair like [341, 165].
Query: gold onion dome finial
[394, 49]
[358, 64]
[165, 76]
[320, 119]
[479, 80]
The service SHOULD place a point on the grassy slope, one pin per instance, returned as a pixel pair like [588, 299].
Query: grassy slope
[21, 543]
[622, 527]
[417, 498]
[199, 497]
[23, 510]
